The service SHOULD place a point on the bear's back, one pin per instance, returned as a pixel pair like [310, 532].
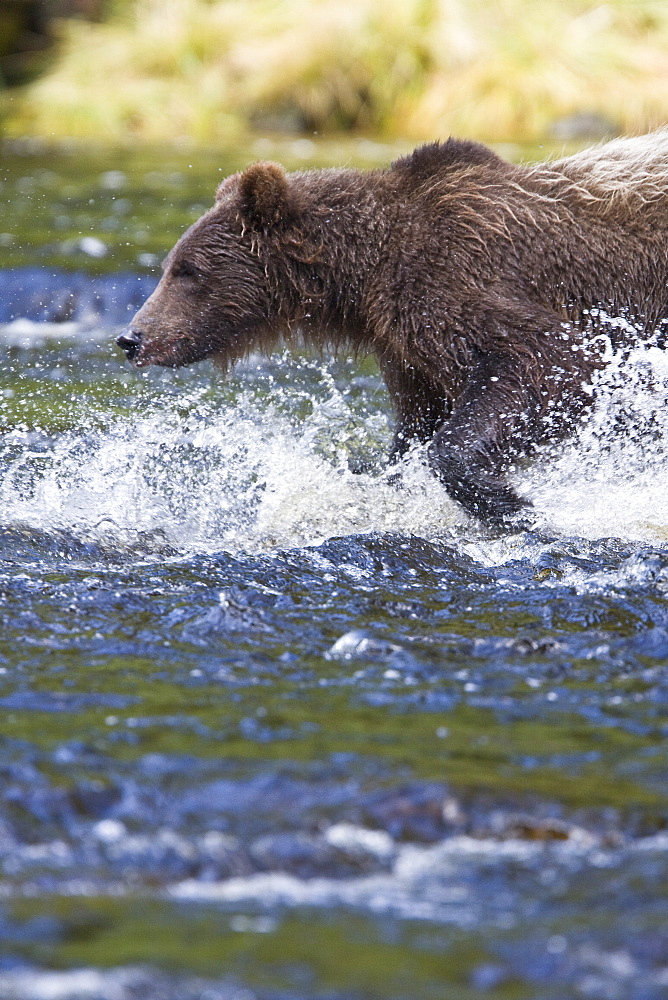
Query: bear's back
[626, 172]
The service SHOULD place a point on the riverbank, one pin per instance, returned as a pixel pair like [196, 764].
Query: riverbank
[212, 72]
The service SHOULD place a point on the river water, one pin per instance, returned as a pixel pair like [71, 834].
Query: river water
[271, 726]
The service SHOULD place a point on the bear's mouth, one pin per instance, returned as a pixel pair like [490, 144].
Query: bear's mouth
[175, 352]
[130, 341]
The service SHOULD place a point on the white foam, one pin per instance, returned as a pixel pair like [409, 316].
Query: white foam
[124, 983]
[78, 984]
[424, 883]
[358, 839]
[28, 333]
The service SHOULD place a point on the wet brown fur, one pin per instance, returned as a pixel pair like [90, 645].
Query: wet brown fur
[475, 282]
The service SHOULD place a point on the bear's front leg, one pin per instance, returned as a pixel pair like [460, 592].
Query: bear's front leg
[420, 406]
[495, 418]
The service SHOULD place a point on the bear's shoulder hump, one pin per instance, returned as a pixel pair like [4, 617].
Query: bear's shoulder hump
[439, 158]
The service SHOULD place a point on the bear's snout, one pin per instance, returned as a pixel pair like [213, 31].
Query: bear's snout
[130, 341]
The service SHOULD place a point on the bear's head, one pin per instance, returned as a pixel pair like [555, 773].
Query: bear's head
[216, 296]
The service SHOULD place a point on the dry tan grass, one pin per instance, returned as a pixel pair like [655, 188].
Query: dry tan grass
[211, 69]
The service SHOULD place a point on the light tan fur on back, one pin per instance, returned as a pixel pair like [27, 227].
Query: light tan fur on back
[625, 168]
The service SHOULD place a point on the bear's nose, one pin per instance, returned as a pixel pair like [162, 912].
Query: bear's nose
[129, 340]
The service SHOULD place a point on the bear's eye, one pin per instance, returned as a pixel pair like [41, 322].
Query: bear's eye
[185, 269]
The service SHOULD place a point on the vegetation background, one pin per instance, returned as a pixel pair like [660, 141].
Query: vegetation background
[212, 71]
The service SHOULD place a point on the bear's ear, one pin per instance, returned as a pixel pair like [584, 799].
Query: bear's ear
[266, 198]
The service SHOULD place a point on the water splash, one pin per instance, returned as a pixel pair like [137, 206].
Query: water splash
[612, 478]
[270, 469]
[290, 455]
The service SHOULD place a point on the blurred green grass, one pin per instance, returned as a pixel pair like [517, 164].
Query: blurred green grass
[213, 71]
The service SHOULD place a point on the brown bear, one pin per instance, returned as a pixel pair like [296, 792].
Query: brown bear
[481, 286]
